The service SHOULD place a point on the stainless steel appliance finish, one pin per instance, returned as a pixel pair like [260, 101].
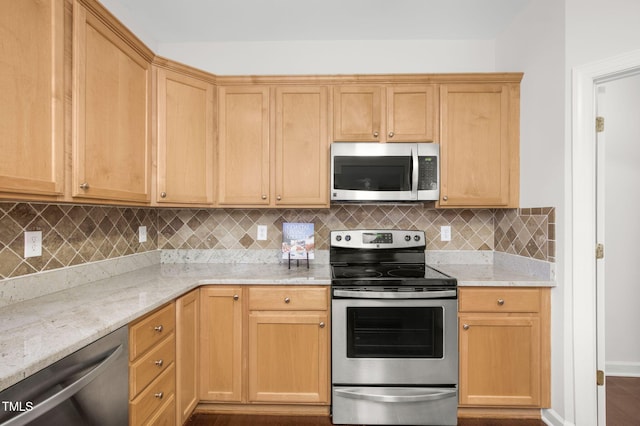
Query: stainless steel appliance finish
[364, 171]
[394, 333]
[88, 387]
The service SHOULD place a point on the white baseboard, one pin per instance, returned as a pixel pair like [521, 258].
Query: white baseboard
[552, 418]
[624, 369]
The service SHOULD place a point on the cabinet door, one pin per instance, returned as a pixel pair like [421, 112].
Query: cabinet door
[111, 141]
[185, 139]
[288, 357]
[412, 113]
[221, 343]
[31, 83]
[243, 145]
[479, 145]
[357, 113]
[499, 360]
[187, 354]
[302, 144]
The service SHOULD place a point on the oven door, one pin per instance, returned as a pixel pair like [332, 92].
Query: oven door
[394, 342]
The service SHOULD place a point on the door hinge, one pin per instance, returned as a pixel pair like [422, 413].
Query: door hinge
[600, 251]
[600, 377]
[599, 124]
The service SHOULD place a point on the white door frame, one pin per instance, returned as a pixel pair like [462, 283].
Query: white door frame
[581, 232]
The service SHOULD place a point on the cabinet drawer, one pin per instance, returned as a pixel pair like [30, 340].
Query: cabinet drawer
[499, 299]
[153, 397]
[148, 367]
[150, 330]
[166, 416]
[288, 298]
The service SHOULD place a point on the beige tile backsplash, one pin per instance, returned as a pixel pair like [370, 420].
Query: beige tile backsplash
[75, 234]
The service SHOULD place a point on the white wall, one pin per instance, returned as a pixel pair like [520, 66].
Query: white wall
[534, 44]
[620, 105]
[335, 57]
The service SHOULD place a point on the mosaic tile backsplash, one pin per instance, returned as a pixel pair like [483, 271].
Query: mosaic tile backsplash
[75, 234]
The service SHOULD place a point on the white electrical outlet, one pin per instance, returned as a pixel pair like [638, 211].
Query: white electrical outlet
[262, 232]
[142, 234]
[445, 233]
[32, 243]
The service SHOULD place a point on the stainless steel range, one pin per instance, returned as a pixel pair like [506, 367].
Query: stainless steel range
[394, 333]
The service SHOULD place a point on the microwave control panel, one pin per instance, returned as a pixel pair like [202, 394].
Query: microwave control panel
[427, 172]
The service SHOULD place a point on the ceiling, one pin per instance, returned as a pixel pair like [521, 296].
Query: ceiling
[185, 21]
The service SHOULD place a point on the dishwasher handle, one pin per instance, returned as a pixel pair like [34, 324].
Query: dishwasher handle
[58, 398]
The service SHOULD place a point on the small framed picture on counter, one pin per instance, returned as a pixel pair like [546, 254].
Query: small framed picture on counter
[298, 241]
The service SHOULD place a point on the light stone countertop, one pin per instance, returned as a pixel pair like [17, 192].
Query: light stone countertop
[37, 332]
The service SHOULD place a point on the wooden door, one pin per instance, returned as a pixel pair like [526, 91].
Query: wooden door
[187, 355]
[243, 145]
[302, 146]
[185, 139]
[499, 360]
[288, 357]
[111, 140]
[221, 343]
[479, 146]
[412, 113]
[31, 84]
[357, 113]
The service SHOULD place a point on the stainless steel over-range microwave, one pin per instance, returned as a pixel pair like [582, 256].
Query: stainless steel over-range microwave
[371, 171]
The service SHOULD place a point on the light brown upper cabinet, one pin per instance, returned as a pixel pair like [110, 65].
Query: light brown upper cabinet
[479, 145]
[394, 113]
[185, 140]
[31, 110]
[111, 111]
[273, 146]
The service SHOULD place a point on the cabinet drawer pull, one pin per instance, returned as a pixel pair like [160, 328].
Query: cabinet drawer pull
[236, 297]
[158, 328]
[159, 395]
[321, 324]
[391, 134]
[84, 186]
[159, 362]
[445, 198]
[465, 326]
[163, 195]
[287, 300]
[500, 302]
[375, 134]
[264, 197]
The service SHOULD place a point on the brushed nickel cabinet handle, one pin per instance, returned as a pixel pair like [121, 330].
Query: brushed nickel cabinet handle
[84, 186]
[236, 297]
[375, 134]
[287, 300]
[158, 328]
[391, 134]
[500, 302]
[278, 198]
[445, 198]
[321, 324]
[465, 326]
[159, 362]
[159, 395]
[163, 195]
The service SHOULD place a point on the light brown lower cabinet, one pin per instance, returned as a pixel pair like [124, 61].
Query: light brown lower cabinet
[265, 345]
[504, 337]
[187, 355]
[152, 368]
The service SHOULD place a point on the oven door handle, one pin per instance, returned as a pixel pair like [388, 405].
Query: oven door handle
[356, 294]
[416, 395]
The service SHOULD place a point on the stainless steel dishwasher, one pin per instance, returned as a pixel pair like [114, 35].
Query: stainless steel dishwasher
[88, 387]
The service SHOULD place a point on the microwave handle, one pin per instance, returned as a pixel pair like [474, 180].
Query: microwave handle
[415, 173]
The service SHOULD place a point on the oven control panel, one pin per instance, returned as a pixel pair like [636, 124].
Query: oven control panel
[377, 238]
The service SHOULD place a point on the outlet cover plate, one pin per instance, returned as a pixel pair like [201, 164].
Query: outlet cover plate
[32, 244]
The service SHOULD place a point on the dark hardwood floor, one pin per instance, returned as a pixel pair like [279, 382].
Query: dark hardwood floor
[623, 401]
[256, 420]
